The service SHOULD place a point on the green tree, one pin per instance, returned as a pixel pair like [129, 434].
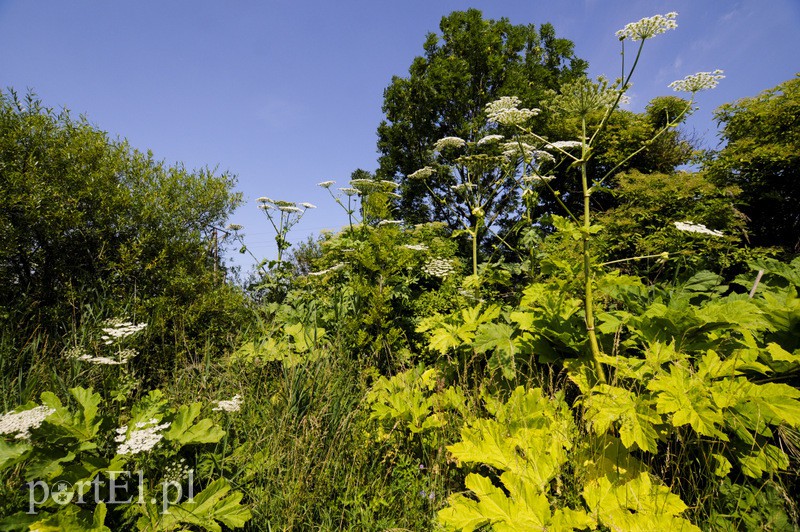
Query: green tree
[762, 157]
[473, 62]
[91, 221]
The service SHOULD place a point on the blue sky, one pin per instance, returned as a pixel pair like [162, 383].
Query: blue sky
[288, 93]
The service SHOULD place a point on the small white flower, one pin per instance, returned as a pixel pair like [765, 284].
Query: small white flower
[22, 422]
[350, 191]
[449, 142]
[329, 270]
[142, 439]
[505, 111]
[697, 228]
[234, 227]
[116, 329]
[422, 173]
[289, 209]
[489, 139]
[326, 184]
[390, 222]
[390, 184]
[307, 205]
[232, 405]
[563, 145]
[697, 82]
[416, 247]
[648, 27]
[264, 199]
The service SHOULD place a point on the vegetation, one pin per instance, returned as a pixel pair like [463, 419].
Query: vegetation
[612, 353]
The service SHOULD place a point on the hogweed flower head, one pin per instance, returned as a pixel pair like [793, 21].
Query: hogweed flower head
[333, 268]
[563, 145]
[506, 111]
[416, 247]
[537, 179]
[307, 205]
[233, 404]
[422, 173]
[23, 422]
[697, 82]
[449, 142]
[350, 191]
[697, 228]
[144, 437]
[488, 139]
[289, 208]
[648, 27]
[234, 227]
[116, 330]
[326, 184]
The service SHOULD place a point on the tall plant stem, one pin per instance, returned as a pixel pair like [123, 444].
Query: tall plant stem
[587, 266]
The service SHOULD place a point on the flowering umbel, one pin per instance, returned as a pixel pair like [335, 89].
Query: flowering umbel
[697, 82]
[648, 27]
[506, 111]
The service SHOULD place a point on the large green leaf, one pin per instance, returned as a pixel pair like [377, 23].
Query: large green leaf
[184, 430]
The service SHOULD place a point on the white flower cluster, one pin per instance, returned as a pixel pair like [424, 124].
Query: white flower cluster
[449, 142]
[648, 27]
[350, 191]
[234, 227]
[307, 205]
[506, 111]
[333, 268]
[489, 139]
[422, 173]
[231, 405]
[144, 437]
[697, 228]
[326, 184]
[529, 153]
[177, 471]
[416, 247]
[697, 82]
[22, 422]
[463, 187]
[438, 268]
[116, 330]
[563, 145]
[390, 222]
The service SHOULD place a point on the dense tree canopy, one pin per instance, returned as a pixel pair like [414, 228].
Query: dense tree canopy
[762, 157]
[473, 62]
[85, 218]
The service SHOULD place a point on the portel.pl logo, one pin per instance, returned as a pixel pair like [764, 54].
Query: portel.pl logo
[119, 487]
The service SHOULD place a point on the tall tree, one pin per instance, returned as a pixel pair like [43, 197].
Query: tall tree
[762, 157]
[473, 62]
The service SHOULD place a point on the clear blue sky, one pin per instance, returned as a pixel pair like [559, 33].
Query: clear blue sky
[287, 93]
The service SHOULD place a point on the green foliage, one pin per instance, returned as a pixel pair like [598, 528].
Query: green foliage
[760, 156]
[473, 62]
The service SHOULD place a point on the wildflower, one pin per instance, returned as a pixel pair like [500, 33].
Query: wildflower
[289, 209]
[142, 439]
[697, 228]
[234, 227]
[438, 268]
[449, 142]
[505, 111]
[489, 139]
[390, 222]
[422, 173]
[24, 421]
[390, 184]
[463, 187]
[116, 329]
[284, 203]
[416, 247]
[326, 184]
[232, 405]
[563, 145]
[697, 82]
[264, 199]
[349, 191]
[176, 471]
[265, 207]
[648, 27]
[307, 205]
[329, 270]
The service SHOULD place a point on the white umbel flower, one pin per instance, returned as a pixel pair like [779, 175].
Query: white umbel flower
[648, 27]
[449, 142]
[416, 247]
[233, 404]
[697, 82]
[506, 111]
[697, 228]
[489, 139]
[143, 438]
[116, 330]
[563, 145]
[326, 184]
[422, 173]
[22, 422]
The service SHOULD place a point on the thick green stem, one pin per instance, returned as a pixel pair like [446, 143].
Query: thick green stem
[587, 267]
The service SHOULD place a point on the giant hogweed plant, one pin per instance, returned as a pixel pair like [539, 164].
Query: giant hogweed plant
[693, 374]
